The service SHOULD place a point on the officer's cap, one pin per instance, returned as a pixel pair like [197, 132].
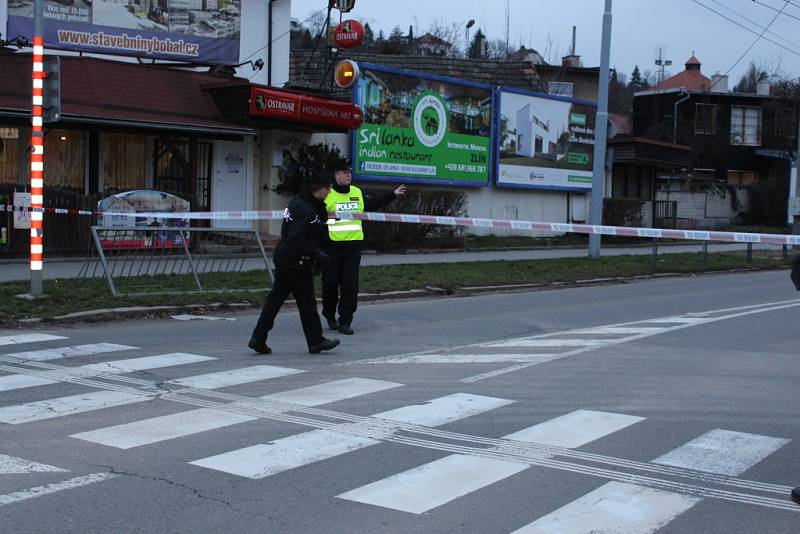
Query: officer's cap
[342, 164]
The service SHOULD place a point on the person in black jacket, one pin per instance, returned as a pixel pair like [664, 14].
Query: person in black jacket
[340, 278]
[296, 257]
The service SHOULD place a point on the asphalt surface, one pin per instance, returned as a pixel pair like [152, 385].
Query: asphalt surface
[72, 268]
[672, 408]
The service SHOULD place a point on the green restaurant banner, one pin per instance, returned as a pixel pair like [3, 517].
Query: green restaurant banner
[422, 128]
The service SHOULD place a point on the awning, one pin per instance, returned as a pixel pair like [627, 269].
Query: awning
[259, 106]
[122, 95]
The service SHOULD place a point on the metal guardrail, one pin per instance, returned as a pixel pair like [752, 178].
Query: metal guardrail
[171, 260]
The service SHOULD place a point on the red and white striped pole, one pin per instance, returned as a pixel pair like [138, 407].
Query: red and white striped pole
[37, 152]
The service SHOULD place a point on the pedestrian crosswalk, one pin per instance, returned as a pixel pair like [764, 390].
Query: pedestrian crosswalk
[635, 497]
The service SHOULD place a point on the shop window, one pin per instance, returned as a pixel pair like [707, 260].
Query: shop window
[746, 126]
[124, 162]
[742, 178]
[9, 155]
[65, 159]
[705, 119]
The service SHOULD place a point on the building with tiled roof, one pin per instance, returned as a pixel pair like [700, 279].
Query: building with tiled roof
[691, 78]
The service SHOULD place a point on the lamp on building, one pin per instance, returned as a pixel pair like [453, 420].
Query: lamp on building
[470, 24]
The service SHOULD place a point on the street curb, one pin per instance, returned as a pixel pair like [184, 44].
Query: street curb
[144, 312]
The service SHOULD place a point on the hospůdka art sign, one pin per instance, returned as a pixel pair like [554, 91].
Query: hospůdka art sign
[177, 30]
[422, 128]
[283, 105]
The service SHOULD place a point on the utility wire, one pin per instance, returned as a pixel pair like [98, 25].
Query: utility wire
[756, 24]
[773, 8]
[285, 33]
[761, 35]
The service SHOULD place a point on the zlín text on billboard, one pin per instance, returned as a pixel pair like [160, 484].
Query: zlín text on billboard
[197, 31]
[421, 128]
[545, 142]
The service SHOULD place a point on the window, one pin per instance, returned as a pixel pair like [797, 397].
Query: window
[124, 162]
[539, 146]
[705, 119]
[746, 126]
[560, 88]
[9, 155]
[65, 163]
[742, 178]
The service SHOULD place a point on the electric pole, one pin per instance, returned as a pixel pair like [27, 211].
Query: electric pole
[601, 134]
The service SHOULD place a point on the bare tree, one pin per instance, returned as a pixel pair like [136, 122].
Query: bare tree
[451, 32]
[496, 49]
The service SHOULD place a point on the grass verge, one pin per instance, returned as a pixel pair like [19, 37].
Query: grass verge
[69, 296]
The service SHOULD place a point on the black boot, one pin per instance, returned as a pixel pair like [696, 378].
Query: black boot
[325, 344]
[796, 495]
[332, 324]
[345, 329]
[260, 347]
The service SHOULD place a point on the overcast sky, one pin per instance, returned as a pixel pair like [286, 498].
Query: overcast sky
[639, 27]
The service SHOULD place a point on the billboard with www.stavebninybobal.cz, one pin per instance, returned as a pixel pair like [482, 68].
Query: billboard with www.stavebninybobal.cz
[194, 31]
[544, 141]
[422, 128]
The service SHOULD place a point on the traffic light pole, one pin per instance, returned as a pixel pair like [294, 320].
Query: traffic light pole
[601, 134]
[37, 150]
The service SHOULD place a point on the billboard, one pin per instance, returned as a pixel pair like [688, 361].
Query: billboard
[422, 128]
[544, 141]
[197, 31]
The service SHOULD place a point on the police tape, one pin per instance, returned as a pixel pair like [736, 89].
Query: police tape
[470, 222]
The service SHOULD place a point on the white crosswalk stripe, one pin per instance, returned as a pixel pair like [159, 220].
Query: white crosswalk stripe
[472, 358]
[442, 481]
[68, 352]
[547, 342]
[11, 465]
[633, 509]
[612, 508]
[236, 377]
[88, 402]
[260, 461]
[723, 452]
[18, 339]
[14, 382]
[157, 429]
[63, 406]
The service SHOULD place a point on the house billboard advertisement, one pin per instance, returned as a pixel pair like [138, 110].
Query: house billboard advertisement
[545, 142]
[422, 128]
[195, 31]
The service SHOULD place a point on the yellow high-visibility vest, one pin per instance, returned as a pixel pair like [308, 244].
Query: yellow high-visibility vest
[351, 202]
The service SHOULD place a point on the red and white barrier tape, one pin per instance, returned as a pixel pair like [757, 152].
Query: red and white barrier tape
[472, 222]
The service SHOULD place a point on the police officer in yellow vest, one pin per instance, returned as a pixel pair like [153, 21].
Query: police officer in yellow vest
[340, 278]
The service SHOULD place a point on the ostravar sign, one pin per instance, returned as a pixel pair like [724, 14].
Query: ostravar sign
[272, 104]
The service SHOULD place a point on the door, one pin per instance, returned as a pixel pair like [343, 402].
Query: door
[232, 179]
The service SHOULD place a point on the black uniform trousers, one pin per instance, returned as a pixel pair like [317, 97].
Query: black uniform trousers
[291, 277]
[340, 280]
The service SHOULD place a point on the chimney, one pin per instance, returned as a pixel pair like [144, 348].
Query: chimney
[763, 88]
[572, 60]
[719, 84]
[574, 39]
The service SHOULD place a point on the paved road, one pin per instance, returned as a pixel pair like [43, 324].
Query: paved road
[72, 268]
[663, 406]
